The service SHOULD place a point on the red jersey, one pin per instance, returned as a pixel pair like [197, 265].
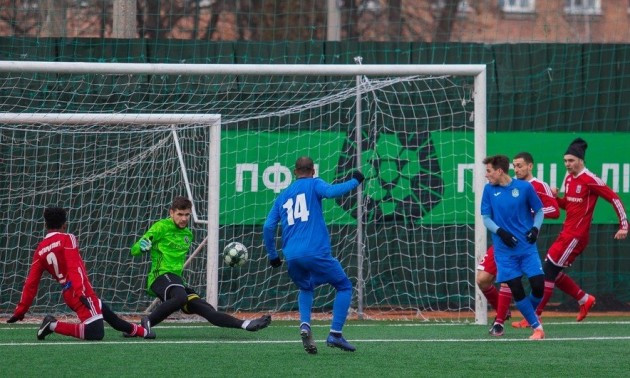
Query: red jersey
[550, 205]
[58, 254]
[581, 193]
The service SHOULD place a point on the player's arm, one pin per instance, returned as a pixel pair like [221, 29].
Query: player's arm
[29, 291]
[145, 243]
[269, 236]
[75, 274]
[550, 204]
[326, 190]
[562, 202]
[609, 195]
[486, 212]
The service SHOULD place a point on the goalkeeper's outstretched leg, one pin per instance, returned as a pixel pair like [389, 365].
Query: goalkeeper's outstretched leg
[198, 306]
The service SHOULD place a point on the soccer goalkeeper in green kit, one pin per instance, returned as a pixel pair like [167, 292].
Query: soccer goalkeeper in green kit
[169, 240]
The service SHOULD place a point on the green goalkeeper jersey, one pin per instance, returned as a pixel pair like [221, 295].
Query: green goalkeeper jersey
[170, 245]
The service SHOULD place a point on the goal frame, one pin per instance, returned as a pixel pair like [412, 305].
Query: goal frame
[478, 71]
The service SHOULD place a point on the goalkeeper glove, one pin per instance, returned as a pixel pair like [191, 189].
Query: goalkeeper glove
[358, 176]
[145, 245]
[275, 262]
[532, 235]
[15, 318]
[509, 239]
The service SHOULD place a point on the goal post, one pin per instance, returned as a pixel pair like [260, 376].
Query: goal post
[417, 131]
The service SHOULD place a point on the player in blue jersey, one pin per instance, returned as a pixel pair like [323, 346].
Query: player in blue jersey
[306, 247]
[506, 208]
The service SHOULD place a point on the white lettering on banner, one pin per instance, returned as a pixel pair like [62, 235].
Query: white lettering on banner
[552, 174]
[620, 174]
[615, 175]
[240, 171]
[277, 177]
[461, 176]
[540, 171]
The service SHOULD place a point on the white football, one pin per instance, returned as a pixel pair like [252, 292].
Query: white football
[235, 254]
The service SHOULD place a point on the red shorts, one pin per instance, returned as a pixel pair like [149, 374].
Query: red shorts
[565, 249]
[487, 264]
[85, 314]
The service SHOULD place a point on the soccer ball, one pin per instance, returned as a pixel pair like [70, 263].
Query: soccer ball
[235, 254]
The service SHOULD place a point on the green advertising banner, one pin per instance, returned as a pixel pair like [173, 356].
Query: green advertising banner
[424, 178]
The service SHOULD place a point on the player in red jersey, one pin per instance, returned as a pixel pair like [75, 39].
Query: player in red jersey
[487, 270]
[582, 189]
[58, 254]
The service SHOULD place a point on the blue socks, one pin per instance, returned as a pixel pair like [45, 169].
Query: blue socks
[305, 304]
[528, 311]
[340, 309]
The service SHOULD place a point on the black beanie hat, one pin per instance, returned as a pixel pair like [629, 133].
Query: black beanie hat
[577, 148]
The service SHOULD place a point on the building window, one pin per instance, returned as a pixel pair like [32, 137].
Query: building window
[462, 8]
[587, 7]
[518, 6]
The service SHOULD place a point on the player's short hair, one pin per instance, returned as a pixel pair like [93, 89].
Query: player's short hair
[498, 161]
[55, 217]
[526, 156]
[181, 203]
[304, 165]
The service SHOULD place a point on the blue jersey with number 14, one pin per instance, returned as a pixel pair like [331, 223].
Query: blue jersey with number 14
[299, 211]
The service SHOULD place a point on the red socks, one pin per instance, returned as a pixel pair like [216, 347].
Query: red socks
[505, 297]
[70, 329]
[492, 294]
[546, 297]
[566, 284]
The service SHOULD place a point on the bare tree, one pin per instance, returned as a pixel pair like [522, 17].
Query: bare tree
[124, 22]
[395, 20]
[53, 18]
[445, 21]
[217, 7]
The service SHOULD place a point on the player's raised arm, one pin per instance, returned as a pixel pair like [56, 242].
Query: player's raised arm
[326, 190]
[145, 243]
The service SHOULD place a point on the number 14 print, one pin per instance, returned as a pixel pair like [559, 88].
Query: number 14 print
[300, 211]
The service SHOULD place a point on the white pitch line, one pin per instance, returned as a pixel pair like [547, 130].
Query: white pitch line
[485, 340]
[173, 326]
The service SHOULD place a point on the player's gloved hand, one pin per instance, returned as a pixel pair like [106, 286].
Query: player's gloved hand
[275, 262]
[358, 176]
[145, 245]
[85, 302]
[509, 239]
[15, 318]
[532, 235]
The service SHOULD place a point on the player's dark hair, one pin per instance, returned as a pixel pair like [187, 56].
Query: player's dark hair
[526, 156]
[498, 161]
[304, 165]
[181, 203]
[55, 217]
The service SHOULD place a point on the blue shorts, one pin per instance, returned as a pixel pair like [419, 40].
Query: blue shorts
[511, 265]
[308, 272]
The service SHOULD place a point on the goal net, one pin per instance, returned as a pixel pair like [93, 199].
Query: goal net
[74, 135]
